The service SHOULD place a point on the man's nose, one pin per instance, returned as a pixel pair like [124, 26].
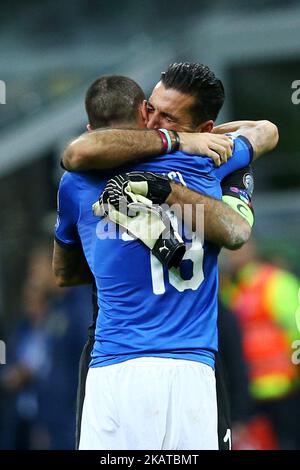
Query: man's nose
[153, 122]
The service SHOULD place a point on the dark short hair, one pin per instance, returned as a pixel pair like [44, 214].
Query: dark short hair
[113, 99]
[199, 81]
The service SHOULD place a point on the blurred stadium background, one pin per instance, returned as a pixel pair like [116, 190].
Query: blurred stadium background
[49, 54]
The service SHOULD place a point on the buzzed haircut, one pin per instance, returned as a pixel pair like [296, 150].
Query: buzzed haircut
[199, 81]
[113, 100]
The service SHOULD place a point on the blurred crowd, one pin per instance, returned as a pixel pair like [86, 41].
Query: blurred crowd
[257, 324]
[259, 299]
[38, 383]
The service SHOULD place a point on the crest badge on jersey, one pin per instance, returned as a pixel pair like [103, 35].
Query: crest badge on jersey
[249, 183]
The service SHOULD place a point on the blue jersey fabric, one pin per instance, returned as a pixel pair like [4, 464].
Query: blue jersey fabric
[144, 309]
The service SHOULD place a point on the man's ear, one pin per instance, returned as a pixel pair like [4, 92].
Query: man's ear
[140, 121]
[89, 128]
[206, 126]
[144, 112]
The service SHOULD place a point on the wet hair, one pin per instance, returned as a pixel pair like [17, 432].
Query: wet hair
[199, 81]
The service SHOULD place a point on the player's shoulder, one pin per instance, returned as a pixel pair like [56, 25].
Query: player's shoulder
[198, 163]
[188, 165]
[69, 184]
[71, 178]
[67, 177]
[72, 175]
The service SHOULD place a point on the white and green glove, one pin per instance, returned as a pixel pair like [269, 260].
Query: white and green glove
[129, 199]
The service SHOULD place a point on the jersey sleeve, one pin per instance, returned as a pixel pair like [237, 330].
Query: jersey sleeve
[242, 156]
[237, 189]
[66, 233]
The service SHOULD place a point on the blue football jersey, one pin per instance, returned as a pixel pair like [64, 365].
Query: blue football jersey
[145, 309]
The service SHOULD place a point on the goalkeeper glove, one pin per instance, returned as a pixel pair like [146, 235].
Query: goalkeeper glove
[135, 212]
[121, 189]
[169, 248]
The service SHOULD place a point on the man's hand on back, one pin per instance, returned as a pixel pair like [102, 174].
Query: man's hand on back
[216, 146]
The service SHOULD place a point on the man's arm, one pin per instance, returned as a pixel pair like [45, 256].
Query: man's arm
[222, 225]
[69, 264]
[262, 135]
[70, 267]
[111, 148]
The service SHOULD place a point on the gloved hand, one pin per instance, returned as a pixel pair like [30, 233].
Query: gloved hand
[136, 213]
[120, 190]
[169, 248]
